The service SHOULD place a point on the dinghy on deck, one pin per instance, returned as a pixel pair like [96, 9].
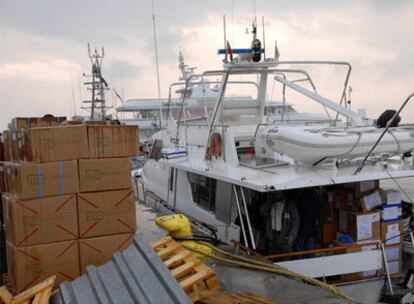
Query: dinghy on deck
[310, 145]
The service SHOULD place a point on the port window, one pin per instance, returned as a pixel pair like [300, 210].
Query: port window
[203, 190]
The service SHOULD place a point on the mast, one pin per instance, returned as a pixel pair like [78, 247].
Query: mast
[97, 86]
[156, 60]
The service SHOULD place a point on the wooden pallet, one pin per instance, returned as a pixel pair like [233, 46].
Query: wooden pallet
[194, 277]
[38, 294]
[219, 297]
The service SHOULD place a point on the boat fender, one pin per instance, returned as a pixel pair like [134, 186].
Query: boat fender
[178, 225]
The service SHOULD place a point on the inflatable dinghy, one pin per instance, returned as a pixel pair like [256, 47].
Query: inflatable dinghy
[310, 145]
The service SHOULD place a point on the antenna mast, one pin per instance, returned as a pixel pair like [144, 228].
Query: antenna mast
[97, 105]
[156, 60]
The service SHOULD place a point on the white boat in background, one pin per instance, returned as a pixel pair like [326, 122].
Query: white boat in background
[207, 166]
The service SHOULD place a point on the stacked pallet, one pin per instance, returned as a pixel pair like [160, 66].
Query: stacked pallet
[69, 201]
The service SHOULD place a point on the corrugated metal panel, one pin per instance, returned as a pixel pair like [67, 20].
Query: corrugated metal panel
[136, 275]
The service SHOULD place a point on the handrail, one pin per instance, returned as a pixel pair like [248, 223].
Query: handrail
[321, 250]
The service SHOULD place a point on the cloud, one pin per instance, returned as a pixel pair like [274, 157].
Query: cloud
[43, 46]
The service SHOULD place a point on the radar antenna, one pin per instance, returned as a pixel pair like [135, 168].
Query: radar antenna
[97, 86]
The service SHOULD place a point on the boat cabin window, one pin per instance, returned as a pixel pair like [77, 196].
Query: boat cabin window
[203, 190]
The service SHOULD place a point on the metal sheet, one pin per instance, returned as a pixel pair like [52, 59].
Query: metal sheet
[136, 275]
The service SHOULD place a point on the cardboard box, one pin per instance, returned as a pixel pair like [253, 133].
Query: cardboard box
[391, 231]
[107, 212]
[99, 250]
[359, 188]
[40, 221]
[390, 213]
[329, 231]
[2, 178]
[29, 180]
[30, 265]
[360, 226]
[6, 137]
[56, 143]
[394, 267]
[104, 174]
[372, 200]
[394, 197]
[393, 253]
[12, 139]
[35, 122]
[113, 141]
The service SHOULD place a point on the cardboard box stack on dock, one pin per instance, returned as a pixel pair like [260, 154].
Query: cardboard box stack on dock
[69, 202]
[368, 214]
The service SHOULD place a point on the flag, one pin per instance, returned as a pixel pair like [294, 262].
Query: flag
[229, 51]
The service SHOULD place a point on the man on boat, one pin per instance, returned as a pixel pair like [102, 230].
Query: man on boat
[282, 223]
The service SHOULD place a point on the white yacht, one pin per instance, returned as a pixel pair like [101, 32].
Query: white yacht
[206, 166]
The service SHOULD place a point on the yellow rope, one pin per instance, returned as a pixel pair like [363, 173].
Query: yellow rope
[258, 265]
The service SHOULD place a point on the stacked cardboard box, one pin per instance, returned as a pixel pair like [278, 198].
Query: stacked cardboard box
[69, 202]
[367, 213]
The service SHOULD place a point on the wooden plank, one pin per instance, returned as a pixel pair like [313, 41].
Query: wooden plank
[167, 251]
[5, 295]
[194, 279]
[47, 293]
[28, 294]
[184, 269]
[177, 258]
[163, 241]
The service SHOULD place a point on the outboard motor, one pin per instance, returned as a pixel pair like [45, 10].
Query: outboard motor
[386, 116]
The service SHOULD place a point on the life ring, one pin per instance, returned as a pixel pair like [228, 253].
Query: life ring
[215, 148]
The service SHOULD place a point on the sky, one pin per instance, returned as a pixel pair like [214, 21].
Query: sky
[43, 47]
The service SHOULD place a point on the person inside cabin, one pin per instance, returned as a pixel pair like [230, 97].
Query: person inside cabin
[281, 224]
[308, 204]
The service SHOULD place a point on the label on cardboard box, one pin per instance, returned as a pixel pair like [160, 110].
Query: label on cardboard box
[394, 267]
[393, 253]
[372, 200]
[393, 197]
[364, 226]
[391, 212]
